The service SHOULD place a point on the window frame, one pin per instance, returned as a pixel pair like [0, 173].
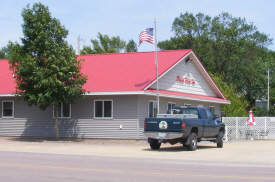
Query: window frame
[210, 109]
[61, 113]
[153, 108]
[172, 104]
[12, 109]
[112, 108]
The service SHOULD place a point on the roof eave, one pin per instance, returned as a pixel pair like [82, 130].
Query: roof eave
[189, 98]
[145, 93]
[7, 95]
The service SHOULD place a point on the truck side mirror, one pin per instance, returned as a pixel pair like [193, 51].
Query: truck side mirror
[217, 117]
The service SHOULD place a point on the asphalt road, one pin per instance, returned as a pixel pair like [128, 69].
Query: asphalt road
[40, 166]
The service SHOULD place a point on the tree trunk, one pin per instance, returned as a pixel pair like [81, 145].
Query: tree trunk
[56, 122]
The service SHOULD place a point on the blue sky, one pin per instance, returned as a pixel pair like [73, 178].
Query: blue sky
[85, 18]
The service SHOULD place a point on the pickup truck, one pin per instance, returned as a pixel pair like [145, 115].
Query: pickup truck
[185, 125]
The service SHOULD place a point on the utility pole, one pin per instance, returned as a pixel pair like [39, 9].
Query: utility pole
[268, 90]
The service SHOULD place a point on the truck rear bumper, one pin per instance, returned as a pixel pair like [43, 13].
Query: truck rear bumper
[162, 135]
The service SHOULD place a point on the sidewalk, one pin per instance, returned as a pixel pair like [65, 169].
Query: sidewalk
[243, 151]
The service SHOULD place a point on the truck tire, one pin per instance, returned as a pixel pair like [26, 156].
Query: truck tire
[193, 142]
[155, 144]
[220, 140]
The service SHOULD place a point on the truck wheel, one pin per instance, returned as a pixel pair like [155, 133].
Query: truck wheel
[220, 140]
[193, 142]
[155, 145]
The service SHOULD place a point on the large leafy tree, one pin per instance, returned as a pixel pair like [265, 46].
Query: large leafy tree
[106, 44]
[238, 103]
[46, 69]
[226, 45]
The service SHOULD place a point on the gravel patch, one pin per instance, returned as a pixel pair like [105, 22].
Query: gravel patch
[240, 151]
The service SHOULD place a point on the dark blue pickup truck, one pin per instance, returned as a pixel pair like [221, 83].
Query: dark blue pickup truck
[185, 125]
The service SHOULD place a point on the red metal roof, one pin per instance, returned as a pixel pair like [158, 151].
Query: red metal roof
[118, 72]
[126, 71]
[7, 84]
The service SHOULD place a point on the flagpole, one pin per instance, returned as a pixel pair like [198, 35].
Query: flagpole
[157, 66]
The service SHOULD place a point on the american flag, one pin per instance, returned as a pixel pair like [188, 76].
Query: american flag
[146, 35]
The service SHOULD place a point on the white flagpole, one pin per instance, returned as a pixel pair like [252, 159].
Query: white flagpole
[155, 38]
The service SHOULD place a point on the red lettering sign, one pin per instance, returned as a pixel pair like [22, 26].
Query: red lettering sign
[185, 80]
[180, 79]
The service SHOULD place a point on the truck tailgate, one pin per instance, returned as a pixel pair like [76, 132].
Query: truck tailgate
[163, 125]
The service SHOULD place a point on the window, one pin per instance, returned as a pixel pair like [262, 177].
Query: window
[212, 109]
[103, 109]
[200, 105]
[170, 104]
[209, 114]
[64, 110]
[152, 109]
[7, 109]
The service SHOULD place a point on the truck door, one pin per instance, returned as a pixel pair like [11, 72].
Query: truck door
[209, 124]
[206, 123]
[213, 128]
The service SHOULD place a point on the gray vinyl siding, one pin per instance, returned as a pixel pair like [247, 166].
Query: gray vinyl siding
[185, 70]
[129, 111]
[31, 121]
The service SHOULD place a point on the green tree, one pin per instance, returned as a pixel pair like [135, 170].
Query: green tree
[105, 44]
[238, 103]
[270, 60]
[226, 45]
[2, 54]
[46, 69]
[131, 46]
[6, 51]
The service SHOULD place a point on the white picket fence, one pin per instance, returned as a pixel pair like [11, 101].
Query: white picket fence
[236, 128]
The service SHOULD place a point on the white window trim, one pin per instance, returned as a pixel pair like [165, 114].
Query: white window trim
[112, 115]
[12, 109]
[171, 104]
[199, 105]
[186, 104]
[210, 109]
[62, 112]
[149, 105]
